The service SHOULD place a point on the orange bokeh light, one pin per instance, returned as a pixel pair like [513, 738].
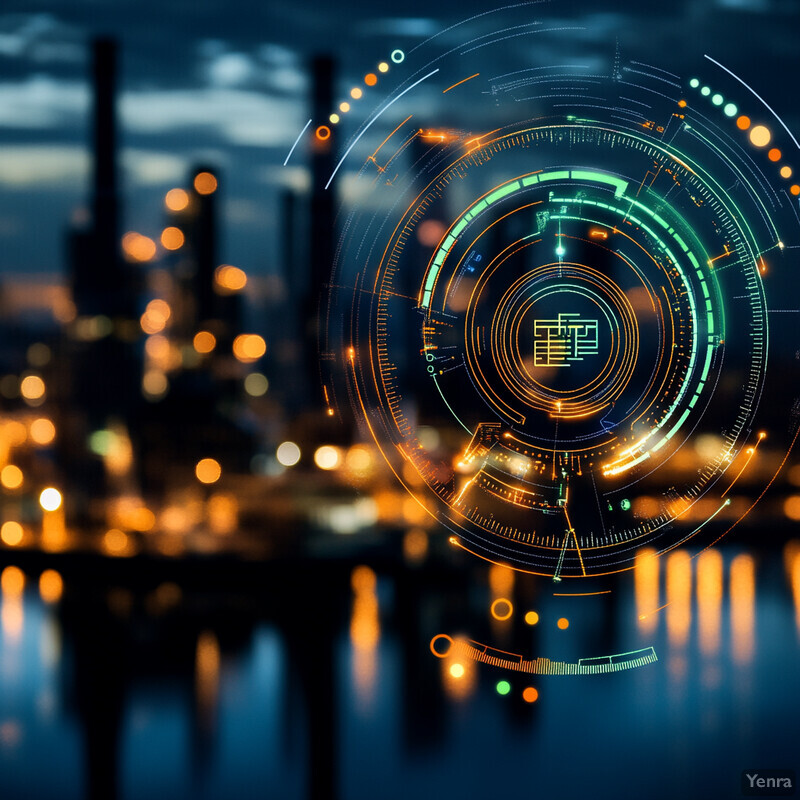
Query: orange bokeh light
[205, 183]
[176, 199]
[172, 238]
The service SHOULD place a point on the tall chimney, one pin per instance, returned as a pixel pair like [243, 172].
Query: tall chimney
[105, 197]
[322, 214]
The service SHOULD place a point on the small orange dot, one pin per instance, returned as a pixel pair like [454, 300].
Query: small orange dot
[786, 172]
[795, 190]
[774, 154]
[530, 695]
[682, 103]
[563, 623]
[370, 79]
[743, 123]
[323, 133]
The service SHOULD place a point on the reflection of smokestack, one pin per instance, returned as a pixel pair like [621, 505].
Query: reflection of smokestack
[322, 210]
[105, 197]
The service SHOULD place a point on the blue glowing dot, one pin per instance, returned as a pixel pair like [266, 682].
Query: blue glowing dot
[730, 110]
[560, 251]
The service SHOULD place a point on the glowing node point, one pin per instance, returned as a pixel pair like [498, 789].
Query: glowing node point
[760, 136]
[730, 110]
[334, 119]
[370, 79]
[560, 251]
[457, 670]
[563, 623]
[383, 67]
[344, 107]
[774, 154]
[694, 83]
[705, 91]
[786, 172]
[531, 618]
[503, 687]
[743, 123]
[323, 133]
[795, 190]
[530, 694]
[398, 56]
[717, 99]
[438, 652]
[356, 93]
[502, 609]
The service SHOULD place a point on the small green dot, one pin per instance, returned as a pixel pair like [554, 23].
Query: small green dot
[717, 99]
[503, 687]
[730, 110]
[705, 91]
[625, 505]
[694, 83]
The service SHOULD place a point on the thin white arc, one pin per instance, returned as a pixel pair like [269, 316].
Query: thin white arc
[750, 88]
[366, 127]
[295, 142]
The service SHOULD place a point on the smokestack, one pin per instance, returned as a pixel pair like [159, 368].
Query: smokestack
[203, 244]
[105, 199]
[322, 212]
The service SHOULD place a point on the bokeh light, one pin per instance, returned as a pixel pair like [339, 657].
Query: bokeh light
[205, 183]
[50, 499]
[11, 533]
[176, 199]
[288, 454]
[328, 457]
[208, 470]
[172, 238]
[11, 476]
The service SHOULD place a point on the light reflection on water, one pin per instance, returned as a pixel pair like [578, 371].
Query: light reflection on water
[235, 720]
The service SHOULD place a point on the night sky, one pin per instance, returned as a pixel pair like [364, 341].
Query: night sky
[225, 82]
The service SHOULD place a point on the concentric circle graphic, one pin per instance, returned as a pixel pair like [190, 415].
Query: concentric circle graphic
[586, 293]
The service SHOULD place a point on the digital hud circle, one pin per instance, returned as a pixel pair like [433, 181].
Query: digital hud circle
[580, 281]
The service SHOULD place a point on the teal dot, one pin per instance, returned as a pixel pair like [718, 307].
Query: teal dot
[398, 56]
[705, 91]
[431, 369]
[730, 110]
[694, 83]
[503, 687]
[717, 99]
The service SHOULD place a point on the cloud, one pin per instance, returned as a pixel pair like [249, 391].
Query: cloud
[42, 102]
[40, 37]
[241, 117]
[56, 166]
[26, 166]
[152, 168]
[399, 26]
